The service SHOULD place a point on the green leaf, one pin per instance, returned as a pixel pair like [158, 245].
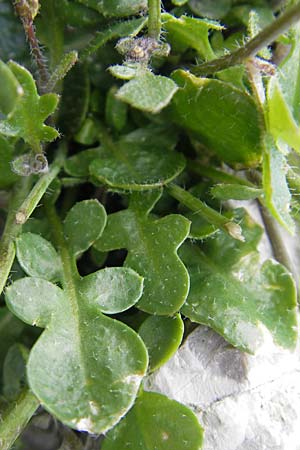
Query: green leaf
[140, 160]
[281, 123]
[38, 257]
[121, 288]
[210, 8]
[14, 371]
[84, 225]
[289, 73]
[10, 90]
[126, 71]
[115, 110]
[27, 119]
[75, 100]
[235, 192]
[277, 196]
[113, 31]
[85, 368]
[78, 165]
[236, 296]
[155, 422]
[225, 119]
[200, 228]
[10, 331]
[185, 32]
[7, 176]
[148, 92]
[162, 337]
[152, 245]
[121, 8]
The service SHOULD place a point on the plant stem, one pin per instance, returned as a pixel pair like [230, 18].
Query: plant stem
[14, 420]
[277, 242]
[27, 12]
[7, 248]
[218, 175]
[20, 214]
[154, 19]
[209, 214]
[261, 40]
[33, 199]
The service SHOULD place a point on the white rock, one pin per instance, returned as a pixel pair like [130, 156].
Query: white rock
[244, 402]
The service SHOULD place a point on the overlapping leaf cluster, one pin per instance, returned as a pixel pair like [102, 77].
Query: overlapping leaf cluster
[129, 239]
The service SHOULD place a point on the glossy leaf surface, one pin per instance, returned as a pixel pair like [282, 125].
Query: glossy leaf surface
[139, 160]
[155, 422]
[38, 257]
[236, 296]
[83, 225]
[225, 119]
[162, 337]
[27, 120]
[277, 196]
[152, 245]
[148, 92]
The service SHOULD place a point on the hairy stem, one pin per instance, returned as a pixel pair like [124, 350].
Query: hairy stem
[154, 19]
[16, 417]
[261, 40]
[27, 10]
[20, 211]
[207, 213]
[217, 175]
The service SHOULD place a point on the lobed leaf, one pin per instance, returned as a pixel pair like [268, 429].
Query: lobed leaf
[236, 296]
[225, 119]
[162, 337]
[37, 257]
[30, 112]
[185, 32]
[83, 225]
[152, 245]
[85, 368]
[140, 160]
[116, 8]
[120, 289]
[155, 422]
